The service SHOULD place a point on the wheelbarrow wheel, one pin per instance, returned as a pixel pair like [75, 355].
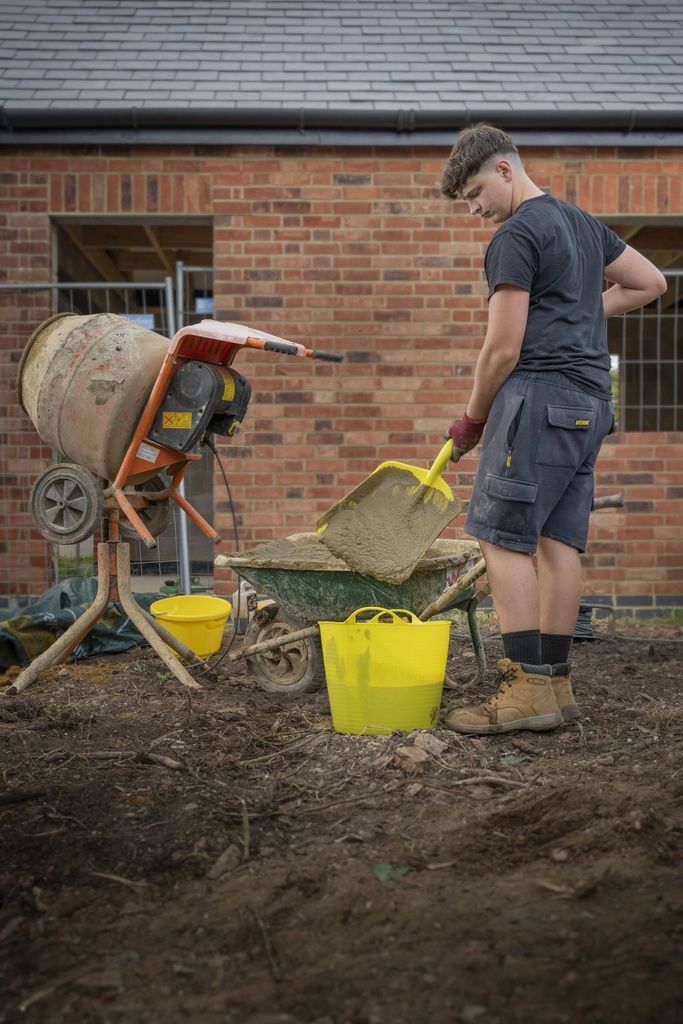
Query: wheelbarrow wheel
[292, 668]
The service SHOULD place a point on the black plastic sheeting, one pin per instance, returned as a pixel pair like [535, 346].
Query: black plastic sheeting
[26, 634]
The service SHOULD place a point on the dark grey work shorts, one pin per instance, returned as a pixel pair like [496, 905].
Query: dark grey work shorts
[535, 473]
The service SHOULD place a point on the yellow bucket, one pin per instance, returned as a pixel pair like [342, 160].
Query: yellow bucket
[196, 619]
[386, 672]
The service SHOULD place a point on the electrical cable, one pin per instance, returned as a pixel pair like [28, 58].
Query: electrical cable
[206, 440]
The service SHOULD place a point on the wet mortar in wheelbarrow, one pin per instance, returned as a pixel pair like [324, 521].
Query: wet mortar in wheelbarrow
[308, 584]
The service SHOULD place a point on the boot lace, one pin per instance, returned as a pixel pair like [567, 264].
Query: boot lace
[504, 680]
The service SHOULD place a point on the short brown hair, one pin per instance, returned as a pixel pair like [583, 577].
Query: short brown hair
[474, 147]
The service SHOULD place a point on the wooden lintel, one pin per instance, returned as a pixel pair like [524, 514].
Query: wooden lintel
[161, 253]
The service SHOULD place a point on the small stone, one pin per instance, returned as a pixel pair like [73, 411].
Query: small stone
[471, 1014]
[101, 981]
[522, 745]
[478, 745]
[479, 793]
[410, 759]
[182, 969]
[559, 856]
[228, 861]
[605, 759]
[430, 744]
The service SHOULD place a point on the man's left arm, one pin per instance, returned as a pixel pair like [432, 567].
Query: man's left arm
[635, 282]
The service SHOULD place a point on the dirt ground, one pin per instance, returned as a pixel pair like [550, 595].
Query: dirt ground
[226, 856]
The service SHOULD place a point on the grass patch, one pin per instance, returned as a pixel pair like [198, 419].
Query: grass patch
[68, 566]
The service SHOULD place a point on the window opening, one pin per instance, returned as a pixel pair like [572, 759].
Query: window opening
[647, 363]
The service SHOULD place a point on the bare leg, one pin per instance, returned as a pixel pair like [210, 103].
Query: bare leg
[514, 587]
[526, 697]
[560, 582]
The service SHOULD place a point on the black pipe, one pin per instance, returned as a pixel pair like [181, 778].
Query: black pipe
[404, 121]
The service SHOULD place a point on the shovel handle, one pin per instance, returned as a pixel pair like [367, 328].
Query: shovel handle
[440, 463]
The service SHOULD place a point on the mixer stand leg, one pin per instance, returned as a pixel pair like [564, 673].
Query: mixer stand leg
[154, 633]
[110, 587]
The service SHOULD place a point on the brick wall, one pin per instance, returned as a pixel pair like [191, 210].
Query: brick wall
[24, 256]
[354, 251]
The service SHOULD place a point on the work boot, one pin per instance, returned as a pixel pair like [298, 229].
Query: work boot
[525, 700]
[562, 688]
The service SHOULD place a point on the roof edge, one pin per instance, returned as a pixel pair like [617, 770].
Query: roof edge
[147, 126]
[15, 120]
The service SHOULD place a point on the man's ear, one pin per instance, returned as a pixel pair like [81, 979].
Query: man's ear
[504, 168]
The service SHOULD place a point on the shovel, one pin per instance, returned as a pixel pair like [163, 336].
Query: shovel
[384, 526]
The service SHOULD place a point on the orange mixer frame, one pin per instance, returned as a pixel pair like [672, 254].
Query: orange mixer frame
[210, 342]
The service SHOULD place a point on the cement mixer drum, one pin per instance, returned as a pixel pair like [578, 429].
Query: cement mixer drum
[84, 382]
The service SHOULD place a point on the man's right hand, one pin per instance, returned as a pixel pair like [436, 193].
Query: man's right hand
[466, 434]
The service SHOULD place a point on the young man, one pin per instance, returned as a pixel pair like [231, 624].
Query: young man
[542, 389]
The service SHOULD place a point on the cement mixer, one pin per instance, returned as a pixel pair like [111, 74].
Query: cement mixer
[122, 404]
[128, 409]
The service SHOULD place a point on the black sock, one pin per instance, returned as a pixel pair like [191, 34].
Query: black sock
[524, 646]
[555, 648]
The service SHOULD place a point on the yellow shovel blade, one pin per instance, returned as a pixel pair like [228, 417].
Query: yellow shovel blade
[385, 525]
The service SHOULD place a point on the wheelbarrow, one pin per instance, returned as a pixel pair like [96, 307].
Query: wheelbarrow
[308, 584]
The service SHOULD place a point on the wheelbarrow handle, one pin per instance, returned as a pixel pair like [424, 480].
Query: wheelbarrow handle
[272, 645]
[445, 598]
[609, 501]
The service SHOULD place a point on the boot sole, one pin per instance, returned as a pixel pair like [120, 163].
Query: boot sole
[539, 723]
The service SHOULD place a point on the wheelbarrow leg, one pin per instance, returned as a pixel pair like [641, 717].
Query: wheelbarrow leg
[473, 623]
[479, 651]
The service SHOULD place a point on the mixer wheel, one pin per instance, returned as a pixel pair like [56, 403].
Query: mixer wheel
[156, 515]
[291, 668]
[67, 503]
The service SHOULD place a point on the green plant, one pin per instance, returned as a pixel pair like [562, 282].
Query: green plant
[674, 617]
[671, 617]
[68, 565]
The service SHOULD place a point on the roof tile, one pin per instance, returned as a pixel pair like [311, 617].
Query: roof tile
[420, 53]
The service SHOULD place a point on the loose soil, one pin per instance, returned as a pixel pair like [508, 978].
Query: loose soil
[226, 856]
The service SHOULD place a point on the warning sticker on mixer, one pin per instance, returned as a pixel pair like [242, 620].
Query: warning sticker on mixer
[177, 420]
[147, 452]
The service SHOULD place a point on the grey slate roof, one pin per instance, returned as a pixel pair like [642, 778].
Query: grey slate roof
[426, 56]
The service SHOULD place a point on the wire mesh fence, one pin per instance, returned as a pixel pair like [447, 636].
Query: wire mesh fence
[647, 363]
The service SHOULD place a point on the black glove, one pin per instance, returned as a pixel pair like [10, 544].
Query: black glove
[466, 434]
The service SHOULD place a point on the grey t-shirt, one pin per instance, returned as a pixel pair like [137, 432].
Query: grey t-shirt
[558, 253]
